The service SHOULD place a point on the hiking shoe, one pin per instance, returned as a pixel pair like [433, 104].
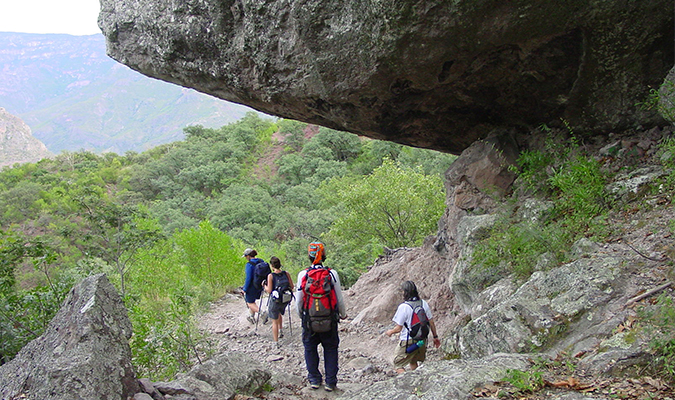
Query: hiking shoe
[264, 317]
[281, 334]
[251, 319]
[329, 388]
[314, 386]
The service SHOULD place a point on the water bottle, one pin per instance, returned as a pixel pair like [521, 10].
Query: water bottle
[414, 346]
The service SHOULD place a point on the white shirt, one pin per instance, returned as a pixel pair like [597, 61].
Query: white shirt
[404, 314]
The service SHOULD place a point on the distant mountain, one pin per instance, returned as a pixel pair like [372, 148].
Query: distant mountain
[17, 144]
[73, 96]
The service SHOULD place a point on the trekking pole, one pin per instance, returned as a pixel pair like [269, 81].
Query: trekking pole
[259, 311]
[290, 312]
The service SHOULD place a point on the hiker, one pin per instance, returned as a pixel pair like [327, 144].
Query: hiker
[256, 273]
[413, 320]
[279, 285]
[320, 305]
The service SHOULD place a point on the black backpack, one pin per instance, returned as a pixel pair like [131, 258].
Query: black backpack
[419, 323]
[281, 292]
[260, 272]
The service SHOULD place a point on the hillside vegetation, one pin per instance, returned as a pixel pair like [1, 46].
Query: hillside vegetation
[169, 225]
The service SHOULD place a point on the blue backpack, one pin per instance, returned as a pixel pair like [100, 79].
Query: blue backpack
[260, 272]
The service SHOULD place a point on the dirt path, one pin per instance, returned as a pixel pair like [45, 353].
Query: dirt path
[364, 358]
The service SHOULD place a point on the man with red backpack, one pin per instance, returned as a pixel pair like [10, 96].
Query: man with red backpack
[413, 321]
[321, 306]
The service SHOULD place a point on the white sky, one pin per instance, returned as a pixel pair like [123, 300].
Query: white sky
[75, 17]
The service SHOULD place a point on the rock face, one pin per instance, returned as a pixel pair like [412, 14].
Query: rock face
[432, 73]
[83, 354]
[454, 379]
[17, 144]
[222, 377]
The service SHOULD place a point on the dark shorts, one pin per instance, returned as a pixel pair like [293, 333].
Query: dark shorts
[252, 295]
[276, 309]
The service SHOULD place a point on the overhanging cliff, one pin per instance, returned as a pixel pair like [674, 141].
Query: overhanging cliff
[434, 73]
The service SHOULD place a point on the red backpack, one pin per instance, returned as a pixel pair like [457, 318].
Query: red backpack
[319, 300]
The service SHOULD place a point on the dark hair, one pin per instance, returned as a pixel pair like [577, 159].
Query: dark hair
[409, 290]
[323, 258]
[275, 262]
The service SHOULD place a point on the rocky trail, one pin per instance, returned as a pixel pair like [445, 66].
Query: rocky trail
[365, 353]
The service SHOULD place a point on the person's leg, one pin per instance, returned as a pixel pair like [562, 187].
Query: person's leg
[253, 307]
[275, 329]
[330, 342]
[280, 324]
[311, 342]
[413, 365]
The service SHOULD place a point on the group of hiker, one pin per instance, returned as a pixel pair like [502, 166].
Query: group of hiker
[320, 305]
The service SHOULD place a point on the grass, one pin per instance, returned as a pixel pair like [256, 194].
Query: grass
[575, 184]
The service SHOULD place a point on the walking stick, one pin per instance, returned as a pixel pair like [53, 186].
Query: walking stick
[259, 311]
[290, 312]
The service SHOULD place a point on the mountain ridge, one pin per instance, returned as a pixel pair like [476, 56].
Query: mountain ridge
[75, 97]
[17, 144]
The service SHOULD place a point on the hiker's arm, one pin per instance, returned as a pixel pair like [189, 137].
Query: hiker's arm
[249, 277]
[342, 309]
[432, 325]
[393, 330]
[300, 294]
[268, 285]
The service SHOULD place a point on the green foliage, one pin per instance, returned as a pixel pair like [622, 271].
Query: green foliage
[656, 100]
[211, 256]
[577, 186]
[168, 225]
[393, 206]
[666, 155]
[166, 340]
[581, 196]
[515, 246]
[660, 320]
[293, 133]
[525, 381]
[116, 231]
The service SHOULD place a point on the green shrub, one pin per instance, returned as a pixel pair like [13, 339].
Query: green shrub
[577, 188]
[660, 320]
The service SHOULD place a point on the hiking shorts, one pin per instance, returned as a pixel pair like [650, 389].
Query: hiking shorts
[252, 295]
[402, 359]
[276, 309]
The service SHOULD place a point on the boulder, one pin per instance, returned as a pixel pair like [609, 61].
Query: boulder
[221, 377]
[84, 353]
[454, 379]
[573, 307]
[428, 73]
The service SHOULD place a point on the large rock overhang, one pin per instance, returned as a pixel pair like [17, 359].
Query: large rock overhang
[435, 74]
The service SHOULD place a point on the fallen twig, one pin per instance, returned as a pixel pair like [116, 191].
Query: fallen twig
[664, 258]
[647, 294]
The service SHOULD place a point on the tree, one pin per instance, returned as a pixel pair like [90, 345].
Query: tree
[396, 207]
[116, 231]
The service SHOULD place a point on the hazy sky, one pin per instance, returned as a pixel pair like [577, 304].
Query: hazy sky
[75, 17]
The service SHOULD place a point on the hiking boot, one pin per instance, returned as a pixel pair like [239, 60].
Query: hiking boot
[251, 319]
[264, 317]
[329, 388]
[314, 385]
[281, 334]
[278, 344]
